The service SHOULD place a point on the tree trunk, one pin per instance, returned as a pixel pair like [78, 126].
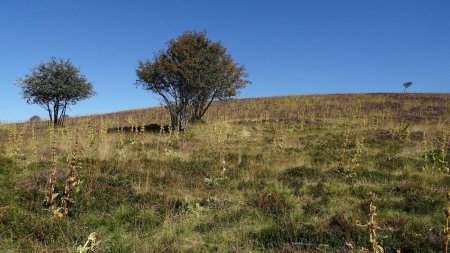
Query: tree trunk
[55, 114]
[203, 109]
[173, 120]
[179, 118]
[59, 110]
[50, 116]
[62, 115]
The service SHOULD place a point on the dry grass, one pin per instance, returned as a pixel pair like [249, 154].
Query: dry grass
[270, 174]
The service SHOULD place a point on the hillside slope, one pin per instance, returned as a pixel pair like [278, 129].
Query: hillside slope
[410, 107]
[279, 174]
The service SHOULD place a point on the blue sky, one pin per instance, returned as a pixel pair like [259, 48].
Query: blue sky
[288, 47]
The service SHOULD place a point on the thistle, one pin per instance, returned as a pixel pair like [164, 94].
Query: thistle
[372, 226]
[446, 227]
[344, 147]
[90, 245]
[34, 147]
[51, 191]
[71, 177]
[444, 142]
[356, 160]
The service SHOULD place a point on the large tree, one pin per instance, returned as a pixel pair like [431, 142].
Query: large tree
[189, 75]
[55, 86]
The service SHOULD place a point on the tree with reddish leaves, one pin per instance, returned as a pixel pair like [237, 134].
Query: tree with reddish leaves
[189, 75]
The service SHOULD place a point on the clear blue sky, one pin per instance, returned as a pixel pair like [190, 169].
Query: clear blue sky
[289, 47]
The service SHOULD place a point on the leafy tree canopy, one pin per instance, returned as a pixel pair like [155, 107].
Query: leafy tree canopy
[54, 86]
[191, 73]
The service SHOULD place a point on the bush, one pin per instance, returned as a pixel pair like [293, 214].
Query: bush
[35, 118]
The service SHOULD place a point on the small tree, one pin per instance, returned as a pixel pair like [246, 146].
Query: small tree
[55, 86]
[192, 73]
[407, 85]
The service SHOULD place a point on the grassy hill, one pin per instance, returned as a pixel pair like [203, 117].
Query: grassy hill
[277, 174]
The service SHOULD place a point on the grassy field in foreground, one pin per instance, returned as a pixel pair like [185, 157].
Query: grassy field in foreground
[281, 174]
